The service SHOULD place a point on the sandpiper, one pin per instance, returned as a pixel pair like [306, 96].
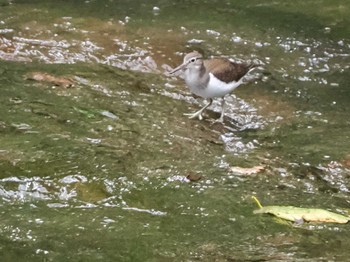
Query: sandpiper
[212, 78]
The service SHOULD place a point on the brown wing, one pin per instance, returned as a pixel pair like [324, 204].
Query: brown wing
[225, 70]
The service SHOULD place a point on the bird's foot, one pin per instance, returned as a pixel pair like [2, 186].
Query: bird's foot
[220, 120]
[217, 121]
[194, 115]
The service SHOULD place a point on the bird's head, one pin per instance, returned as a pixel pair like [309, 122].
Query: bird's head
[191, 60]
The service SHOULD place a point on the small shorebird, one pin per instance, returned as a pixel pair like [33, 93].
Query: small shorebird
[209, 78]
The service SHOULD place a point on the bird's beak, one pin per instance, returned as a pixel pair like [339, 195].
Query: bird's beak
[180, 67]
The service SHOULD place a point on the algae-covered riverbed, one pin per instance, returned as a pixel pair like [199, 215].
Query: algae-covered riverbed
[97, 158]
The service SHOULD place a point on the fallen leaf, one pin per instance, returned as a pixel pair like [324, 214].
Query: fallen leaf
[296, 214]
[299, 214]
[55, 80]
[346, 161]
[247, 171]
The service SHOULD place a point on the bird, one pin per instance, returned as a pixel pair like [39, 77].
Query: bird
[211, 78]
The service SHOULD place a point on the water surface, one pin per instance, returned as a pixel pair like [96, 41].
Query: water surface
[97, 171]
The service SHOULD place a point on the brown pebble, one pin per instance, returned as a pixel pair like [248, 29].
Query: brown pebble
[192, 176]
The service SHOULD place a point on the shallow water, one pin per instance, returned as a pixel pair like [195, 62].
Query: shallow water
[97, 171]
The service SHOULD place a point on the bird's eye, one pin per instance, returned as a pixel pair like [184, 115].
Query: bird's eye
[193, 60]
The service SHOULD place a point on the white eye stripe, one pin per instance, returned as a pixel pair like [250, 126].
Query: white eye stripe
[193, 59]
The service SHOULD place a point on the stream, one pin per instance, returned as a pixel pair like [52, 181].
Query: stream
[99, 163]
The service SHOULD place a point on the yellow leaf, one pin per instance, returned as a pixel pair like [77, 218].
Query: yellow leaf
[298, 214]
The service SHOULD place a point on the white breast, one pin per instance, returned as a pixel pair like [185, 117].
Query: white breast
[217, 88]
[195, 83]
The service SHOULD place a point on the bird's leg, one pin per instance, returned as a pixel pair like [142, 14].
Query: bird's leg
[221, 119]
[199, 112]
